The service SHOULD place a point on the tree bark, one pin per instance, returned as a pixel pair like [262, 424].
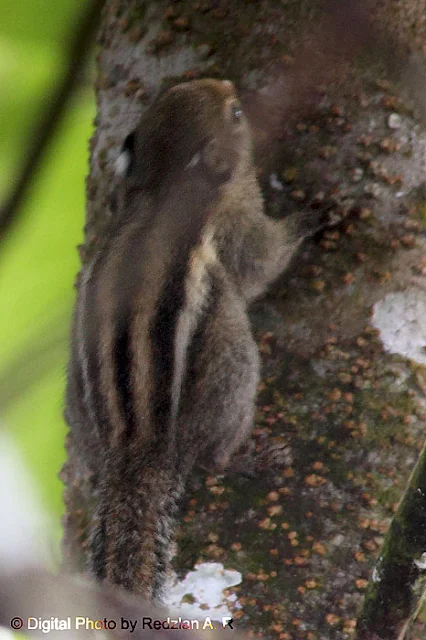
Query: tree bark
[398, 580]
[336, 111]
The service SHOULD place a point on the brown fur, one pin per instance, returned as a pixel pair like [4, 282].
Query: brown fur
[164, 369]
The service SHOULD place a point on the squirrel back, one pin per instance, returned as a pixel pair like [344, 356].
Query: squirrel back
[163, 368]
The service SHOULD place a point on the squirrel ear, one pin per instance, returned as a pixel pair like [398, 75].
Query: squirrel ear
[124, 162]
[213, 158]
[194, 161]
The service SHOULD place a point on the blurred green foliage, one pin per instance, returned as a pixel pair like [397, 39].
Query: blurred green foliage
[38, 259]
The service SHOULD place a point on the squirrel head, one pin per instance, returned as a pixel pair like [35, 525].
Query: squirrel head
[194, 128]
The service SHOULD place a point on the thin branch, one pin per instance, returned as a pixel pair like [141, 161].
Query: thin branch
[45, 128]
[399, 578]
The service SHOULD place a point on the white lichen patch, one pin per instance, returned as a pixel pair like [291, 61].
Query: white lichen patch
[394, 121]
[401, 319]
[376, 575]
[200, 593]
[275, 183]
[421, 562]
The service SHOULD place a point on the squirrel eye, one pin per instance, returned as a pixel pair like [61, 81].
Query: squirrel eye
[236, 112]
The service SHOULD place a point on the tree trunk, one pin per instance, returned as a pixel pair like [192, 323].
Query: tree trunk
[344, 378]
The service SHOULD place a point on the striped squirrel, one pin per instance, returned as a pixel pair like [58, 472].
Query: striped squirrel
[164, 368]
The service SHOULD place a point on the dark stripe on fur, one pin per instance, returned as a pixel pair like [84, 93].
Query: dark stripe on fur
[123, 367]
[162, 334]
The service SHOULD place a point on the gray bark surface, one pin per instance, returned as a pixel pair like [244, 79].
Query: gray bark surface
[341, 411]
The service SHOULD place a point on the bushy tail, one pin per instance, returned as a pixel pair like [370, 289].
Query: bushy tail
[134, 527]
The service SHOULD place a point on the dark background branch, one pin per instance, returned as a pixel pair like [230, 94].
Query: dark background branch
[82, 35]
